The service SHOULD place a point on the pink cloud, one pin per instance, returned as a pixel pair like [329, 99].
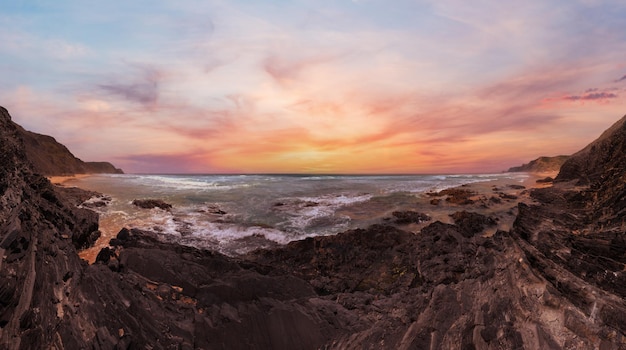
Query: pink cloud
[194, 162]
[283, 68]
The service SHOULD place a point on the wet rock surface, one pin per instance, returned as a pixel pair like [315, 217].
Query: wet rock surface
[472, 223]
[409, 217]
[545, 180]
[151, 203]
[459, 196]
[554, 281]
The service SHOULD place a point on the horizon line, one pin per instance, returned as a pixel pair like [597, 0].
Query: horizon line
[317, 174]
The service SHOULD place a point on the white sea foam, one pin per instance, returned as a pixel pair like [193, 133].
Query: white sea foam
[318, 178]
[234, 213]
[225, 233]
[181, 183]
[227, 238]
[201, 229]
[303, 212]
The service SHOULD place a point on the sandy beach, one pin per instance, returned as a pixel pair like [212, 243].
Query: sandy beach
[66, 180]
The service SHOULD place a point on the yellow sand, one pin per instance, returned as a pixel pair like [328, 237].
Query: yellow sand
[62, 180]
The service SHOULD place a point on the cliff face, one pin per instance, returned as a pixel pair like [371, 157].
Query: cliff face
[602, 167]
[52, 158]
[541, 164]
[600, 160]
[39, 234]
[574, 239]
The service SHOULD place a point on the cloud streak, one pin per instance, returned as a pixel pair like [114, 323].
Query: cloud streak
[592, 96]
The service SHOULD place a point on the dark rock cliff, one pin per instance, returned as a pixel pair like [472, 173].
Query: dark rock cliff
[541, 164]
[600, 159]
[39, 235]
[601, 167]
[52, 158]
[574, 239]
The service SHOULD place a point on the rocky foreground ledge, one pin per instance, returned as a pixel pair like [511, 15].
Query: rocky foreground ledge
[555, 280]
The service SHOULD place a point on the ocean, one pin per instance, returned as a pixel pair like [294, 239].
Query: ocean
[235, 214]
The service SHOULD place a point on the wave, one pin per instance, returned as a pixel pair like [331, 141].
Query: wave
[304, 212]
[231, 213]
[201, 183]
[197, 230]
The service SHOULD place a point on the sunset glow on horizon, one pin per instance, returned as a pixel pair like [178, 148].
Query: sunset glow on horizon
[361, 86]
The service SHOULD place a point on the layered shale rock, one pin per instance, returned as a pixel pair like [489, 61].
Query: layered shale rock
[601, 168]
[441, 289]
[575, 240]
[39, 235]
[168, 296]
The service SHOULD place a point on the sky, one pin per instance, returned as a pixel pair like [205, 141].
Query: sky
[315, 86]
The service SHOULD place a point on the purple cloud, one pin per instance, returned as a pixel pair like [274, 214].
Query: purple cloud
[621, 79]
[591, 96]
[143, 90]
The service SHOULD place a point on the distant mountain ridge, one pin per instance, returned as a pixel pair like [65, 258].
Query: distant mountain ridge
[541, 164]
[51, 158]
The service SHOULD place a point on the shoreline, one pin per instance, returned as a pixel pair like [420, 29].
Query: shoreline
[497, 199]
[484, 197]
